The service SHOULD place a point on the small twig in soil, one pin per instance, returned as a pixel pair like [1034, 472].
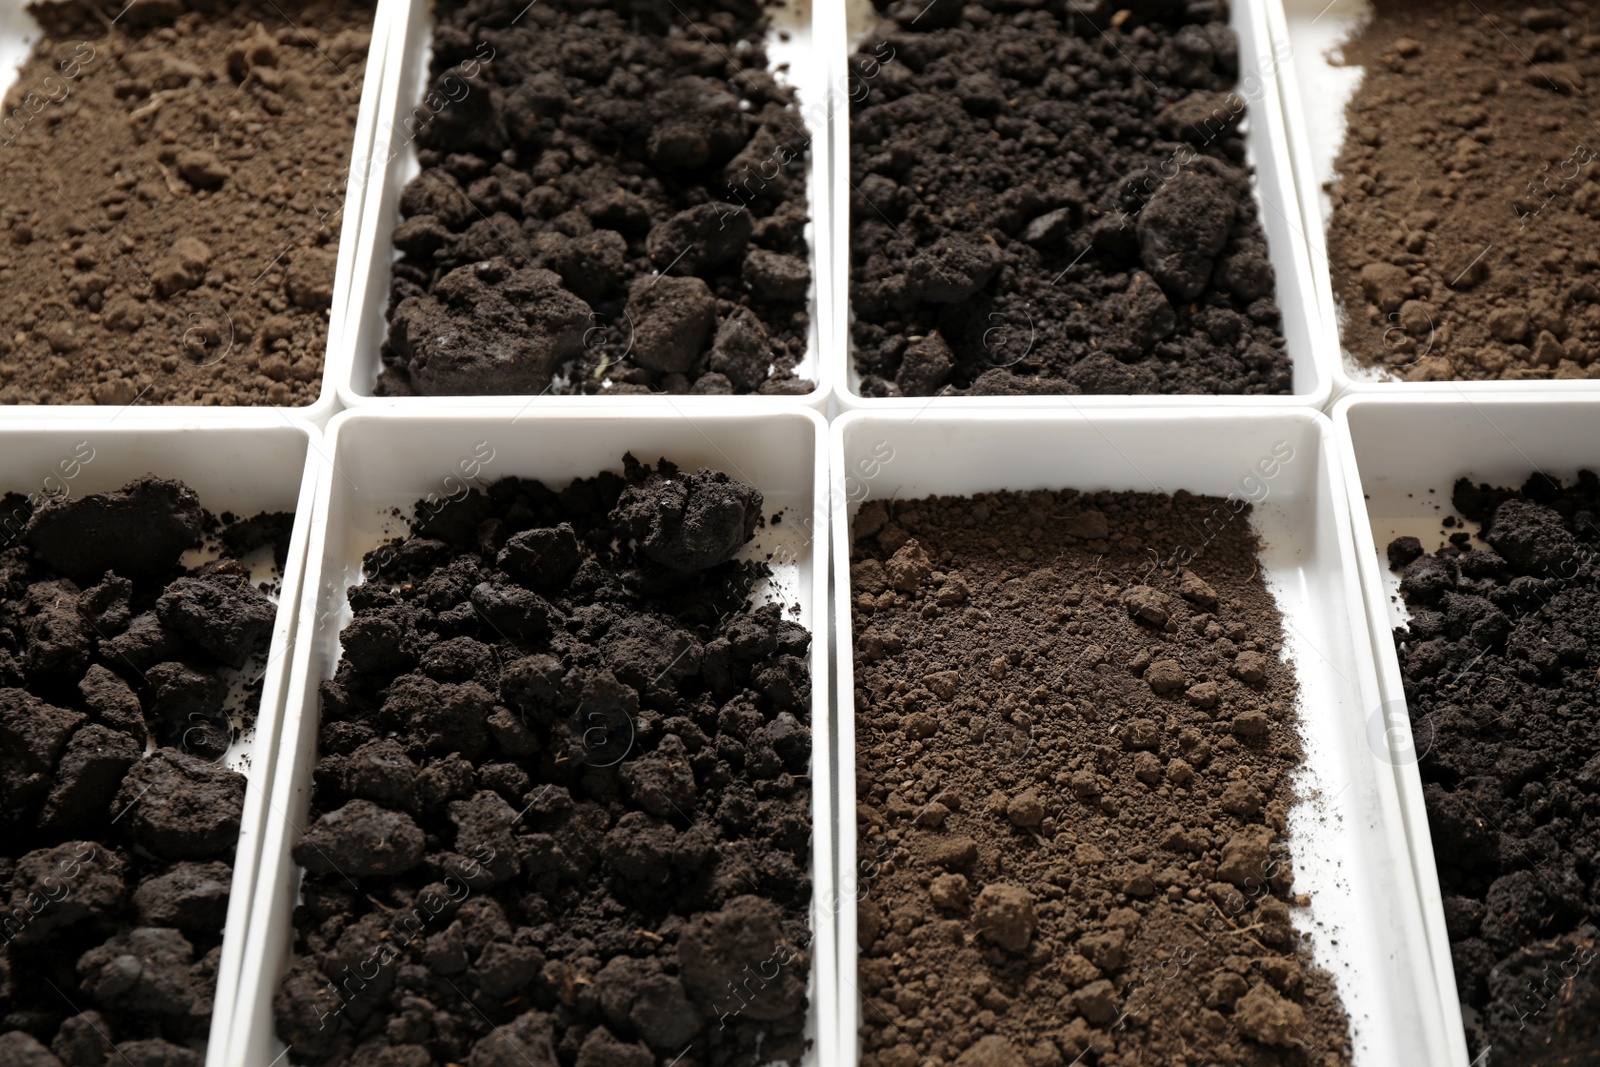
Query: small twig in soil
[172, 185]
[1155, 563]
[157, 101]
[1242, 931]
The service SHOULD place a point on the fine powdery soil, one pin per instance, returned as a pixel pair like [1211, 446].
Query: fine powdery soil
[1466, 214]
[1053, 198]
[118, 818]
[612, 199]
[563, 801]
[1073, 778]
[1500, 659]
[171, 185]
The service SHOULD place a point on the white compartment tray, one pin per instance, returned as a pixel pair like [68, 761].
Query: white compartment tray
[1346, 835]
[19, 30]
[1310, 344]
[394, 163]
[377, 461]
[1315, 93]
[1403, 455]
[246, 464]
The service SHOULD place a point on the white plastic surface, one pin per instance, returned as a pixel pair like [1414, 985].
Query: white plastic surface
[376, 461]
[1315, 92]
[251, 465]
[1346, 834]
[1404, 454]
[395, 163]
[19, 31]
[1309, 345]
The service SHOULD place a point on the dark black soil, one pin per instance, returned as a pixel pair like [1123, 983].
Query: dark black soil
[1500, 660]
[117, 818]
[562, 809]
[612, 200]
[1053, 198]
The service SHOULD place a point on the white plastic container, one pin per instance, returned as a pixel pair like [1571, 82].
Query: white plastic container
[376, 461]
[246, 464]
[1346, 834]
[1315, 93]
[1403, 455]
[18, 32]
[1309, 345]
[395, 163]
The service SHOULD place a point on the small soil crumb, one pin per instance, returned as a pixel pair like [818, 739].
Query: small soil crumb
[124, 678]
[1056, 200]
[562, 801]
[174, 175]
[1108, 878]
[1500, 661]
[1466, 214]
[611, 201]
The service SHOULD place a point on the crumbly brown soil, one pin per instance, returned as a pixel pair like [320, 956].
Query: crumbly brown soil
[172, 192]
[1073, 776]
[1466, 215]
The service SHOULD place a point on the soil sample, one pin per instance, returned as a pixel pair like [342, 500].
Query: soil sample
[1499, 660]
[612, 200]
[562, 806]
[1073, 778]
[1466, 211]
[1054, 199]
[123, 680]
[173, 181]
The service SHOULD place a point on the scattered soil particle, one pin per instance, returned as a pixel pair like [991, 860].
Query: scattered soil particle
[1055, 199]
[1466, 212]
[174, 174]
[610, 201]
[562, 805]
[1499, 660]
[1073, 780]
[118, 819]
